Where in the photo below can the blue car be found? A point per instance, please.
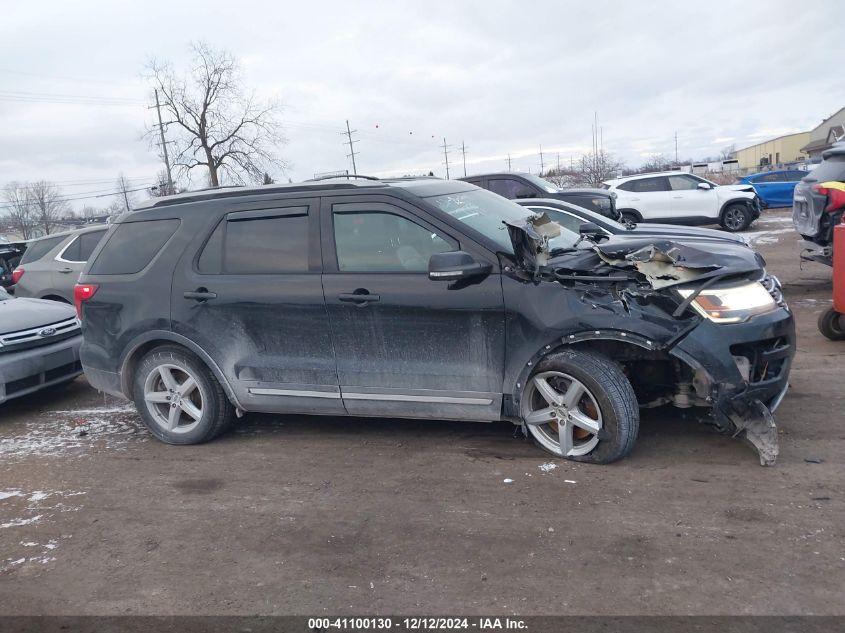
(774, 187)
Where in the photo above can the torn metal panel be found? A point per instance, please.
(530, 240)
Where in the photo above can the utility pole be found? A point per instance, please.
(352, 151)
(676, 149)
(541, 159)
(446, 156)
(170, 190)
(464, 155)
(558, 163)
(509, 162)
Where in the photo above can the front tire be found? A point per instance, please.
(832, 324)
(179, 399)
(580, 406)
(736, 217)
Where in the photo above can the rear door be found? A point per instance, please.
(407, 346)
(512, 188)
(251, 297)
(70, 261)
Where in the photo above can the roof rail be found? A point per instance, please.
(340, 177)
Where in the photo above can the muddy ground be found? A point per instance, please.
(295, 515)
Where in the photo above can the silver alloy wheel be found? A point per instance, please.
(173, 398)
(561, 414)
(734, 218)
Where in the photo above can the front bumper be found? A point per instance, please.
(743, 393)
(33, 369)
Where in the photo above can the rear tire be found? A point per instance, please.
(179, 398)
(596, 417)
(736, 217)
(832, 324)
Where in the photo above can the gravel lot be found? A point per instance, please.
(296, 515)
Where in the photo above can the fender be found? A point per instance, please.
(163, 335)
(748, 202)
(585, 335)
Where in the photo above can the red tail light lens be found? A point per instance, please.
(835, 197)
(81, 293)
(17, 273)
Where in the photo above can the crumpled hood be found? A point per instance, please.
(731, 190)
(24, 313)
(671, 262)
(662, 262)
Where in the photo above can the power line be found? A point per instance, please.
(63, 199)
(352, 151)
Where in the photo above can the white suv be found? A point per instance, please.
(680, 198)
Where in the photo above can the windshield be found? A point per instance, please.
(542, 183)
(486, 212)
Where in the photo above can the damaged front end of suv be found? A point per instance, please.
(695, 324)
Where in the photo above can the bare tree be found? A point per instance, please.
(655, 162)
(596, 167)
(47, 203)
(162, 188)
(124, 194)
(19, 210)
(219, 125)
(727, 152)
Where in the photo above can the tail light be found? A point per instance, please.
(81, 293)
(17, 273)
(835, 192)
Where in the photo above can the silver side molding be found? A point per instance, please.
(256, 391)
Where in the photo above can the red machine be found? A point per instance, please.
(832, 320)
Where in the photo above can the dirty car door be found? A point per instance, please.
(252, 299)
(407, 346)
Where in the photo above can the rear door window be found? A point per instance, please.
(262, 242)
(646, 185)
(132, 247)
(80, 249)
(831, 169)
(37, 250)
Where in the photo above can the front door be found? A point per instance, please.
(407, 346)
(688, 201)
(252, 299)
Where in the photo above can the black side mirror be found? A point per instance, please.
(590, 229)
(454, 266)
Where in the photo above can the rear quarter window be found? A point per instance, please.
(132, 247)
(831, 169)
(37, 250)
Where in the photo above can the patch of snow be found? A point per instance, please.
(38, 495)
(20, 522)
(765, 237)
(508, 481)
(77, 431)
(569, 481)
(548, 467)
(7, 494)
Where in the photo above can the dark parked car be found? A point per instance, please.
(425, 298)
(518, 186)
(39, 345)
(573, 217)
(817, 208)
(775, 188)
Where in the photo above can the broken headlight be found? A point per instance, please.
(731, 304)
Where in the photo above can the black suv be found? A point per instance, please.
(518, 186)
(424, 298)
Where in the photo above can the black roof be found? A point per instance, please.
(422, 187)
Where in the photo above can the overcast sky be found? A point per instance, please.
(503, 77)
